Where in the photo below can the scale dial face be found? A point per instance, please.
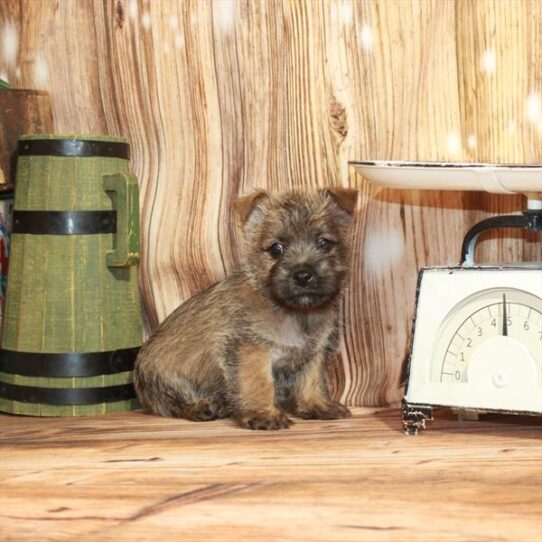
(493, 323)
(477, 340)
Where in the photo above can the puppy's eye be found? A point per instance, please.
(276, 250)
(325, 244)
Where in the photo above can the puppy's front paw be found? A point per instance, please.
(331, 410)
(264, 420)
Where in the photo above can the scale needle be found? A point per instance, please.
(504, 319)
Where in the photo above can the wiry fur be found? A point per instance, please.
(256, 345)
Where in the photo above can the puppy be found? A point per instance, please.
(256, 345)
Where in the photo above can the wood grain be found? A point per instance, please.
(138, 477)
(218, 98)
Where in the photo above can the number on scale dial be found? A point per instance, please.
(496, 322)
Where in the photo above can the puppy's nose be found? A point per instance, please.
(302, 277)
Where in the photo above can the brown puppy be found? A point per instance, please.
(256, 345)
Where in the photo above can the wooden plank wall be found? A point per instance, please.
(218, 97)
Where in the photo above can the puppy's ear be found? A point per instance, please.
(345, 198)
(245, 205)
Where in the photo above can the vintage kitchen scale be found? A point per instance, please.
(477, 332)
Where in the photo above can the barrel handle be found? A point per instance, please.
(126, 201)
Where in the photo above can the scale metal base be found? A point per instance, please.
(415, 416)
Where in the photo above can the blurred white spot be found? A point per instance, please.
(382, 249)
(366, 37)
(18, 72)
(347, 12)
(471, 141)
(10, 43)
(132, 10)
(533, 107)
(453, 144)
(489, 61)
(512, 127)
(224, 15)
(179, 41)
(173, 21)
(4, 76)
(41, 71)
(146, 20)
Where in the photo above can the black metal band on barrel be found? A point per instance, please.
(64, 222)
(66, 396)
(67, 365)
(73, 147)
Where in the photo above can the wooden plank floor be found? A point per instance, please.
(138, 477)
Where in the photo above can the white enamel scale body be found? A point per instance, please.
(477, 341)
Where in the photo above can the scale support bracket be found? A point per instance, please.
(530, 220)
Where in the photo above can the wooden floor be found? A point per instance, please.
(138, 477)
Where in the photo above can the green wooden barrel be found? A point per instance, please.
(72, 322)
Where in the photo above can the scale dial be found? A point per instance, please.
(477, 341)
(492, 338)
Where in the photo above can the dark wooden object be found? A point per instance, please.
(21, 112)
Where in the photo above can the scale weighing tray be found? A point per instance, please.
(495, 178)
